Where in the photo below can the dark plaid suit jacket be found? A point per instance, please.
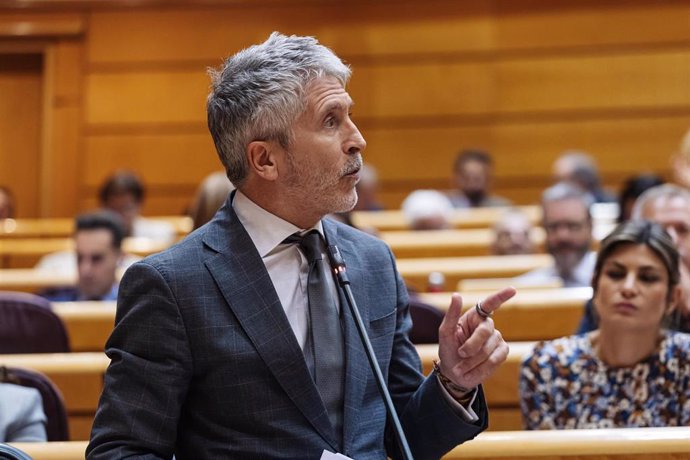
(204, 364)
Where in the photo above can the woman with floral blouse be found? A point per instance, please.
(632, 371)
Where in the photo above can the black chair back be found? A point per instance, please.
(426, 320)
(29, 325)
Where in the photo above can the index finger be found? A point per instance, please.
(494, 301)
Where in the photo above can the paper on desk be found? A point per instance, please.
(331, 456)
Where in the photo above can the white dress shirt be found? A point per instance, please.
(282, 261)
(267, 231)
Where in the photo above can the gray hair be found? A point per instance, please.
(259, 92)
(666, 191)
(566, 191)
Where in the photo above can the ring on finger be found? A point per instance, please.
(481, 312)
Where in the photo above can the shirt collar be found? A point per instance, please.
(265, 229)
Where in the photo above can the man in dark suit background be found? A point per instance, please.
(209, 355)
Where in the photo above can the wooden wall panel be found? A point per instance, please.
(615, 81)
(147, 97)
(557, 24)
(353, 29)
(164, 159)
(61, 153)
(517, 87)
(20, 129)
(524, 79)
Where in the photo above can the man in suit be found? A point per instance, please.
(98, 253)
(213, 354)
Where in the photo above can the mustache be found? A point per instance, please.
(353, 166)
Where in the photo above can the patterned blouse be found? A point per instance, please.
(563, 384)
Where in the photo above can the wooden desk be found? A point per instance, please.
(447, 243)
(25, 252)
(556, 311)
(79, 376)
(672, 443)
(416, 271)
(30, 280)
(461, 218)
(533, 314)
(602, 214)
(53, 227)
(88, 324)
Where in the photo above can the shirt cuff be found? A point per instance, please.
(465, 411)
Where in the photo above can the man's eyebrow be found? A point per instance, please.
(338, 105)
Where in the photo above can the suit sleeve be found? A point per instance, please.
(432, 425)
(149, 373)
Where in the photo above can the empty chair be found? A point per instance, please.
(28, 325)
(57, 428)
(426, 320)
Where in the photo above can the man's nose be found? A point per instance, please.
(355, 142)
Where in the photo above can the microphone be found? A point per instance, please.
(338, 265)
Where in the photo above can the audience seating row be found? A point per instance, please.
(414, 271)
(391, 220)
(530, 315)
(79, 376)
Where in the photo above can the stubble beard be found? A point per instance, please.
(307, 188)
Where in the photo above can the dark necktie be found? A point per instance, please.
(324, 348)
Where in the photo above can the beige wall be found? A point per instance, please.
(524, 79)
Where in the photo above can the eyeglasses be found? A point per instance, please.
(571, 226)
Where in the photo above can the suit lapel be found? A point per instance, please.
(246, 286)
(356, 363)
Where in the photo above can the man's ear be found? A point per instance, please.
(261, 156)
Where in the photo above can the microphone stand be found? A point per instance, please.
(338, 266)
